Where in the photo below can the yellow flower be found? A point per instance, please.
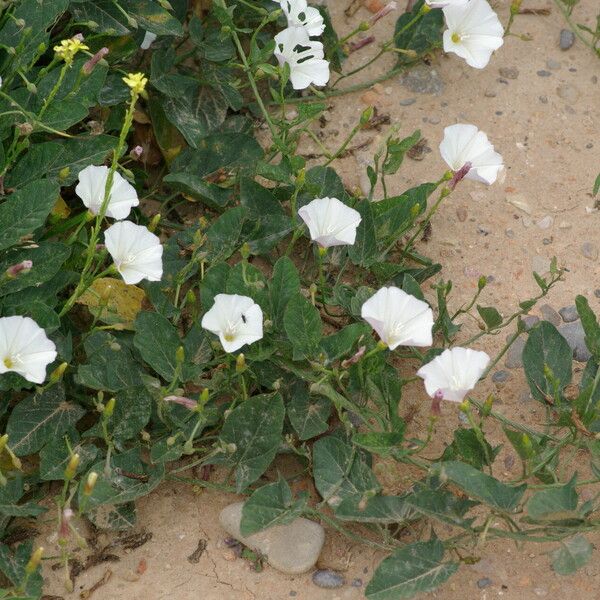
(136, 81)
(67, 49)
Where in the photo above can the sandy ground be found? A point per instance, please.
(547, 128)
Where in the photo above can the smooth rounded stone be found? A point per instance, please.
(545, 222)
(501, 377)
(589, 250)
(509, 72)
(547, 241)
(519, 201)
(543, 73)
(567, 39)
(461, 213)
(597, 292)
(567, 92)
(358, 582)
(550, 315)
(553, 64)
(291, 549)
(509, 233)
(326, 578)
(435, 120)
(484, 582)
(530, 320)
(423, 80)
(575, 336)
(514, 356)
(543, 99)
(407, 101)
(569, 313)
(489, 94)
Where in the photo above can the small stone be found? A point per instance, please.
(293, 594)
(423, 80)
(509, 233)
(565, 225)
(509, 462)
(501, 377)
(509, 72)
(553, 64)
(597, 292)
(569, 313)
(228, 555)
(545, 222)
(327, 578)
(525, 397)
(543, 73)
(568, 93)
(540, 591)
(547, 241)
(567, 39)
(514, 358)
(484, 582)
(461, 213)
(575, 336)
(292, 548)
(529, 321)
(519, 201)
(489, 94)
(543, 99)
(589, 250)
(407, 101)
(550, 315)
(463, 418)
(370, 98)
(527, 222)
(357, 582)
(434, 120)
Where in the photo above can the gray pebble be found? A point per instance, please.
(569, 313)
(463, 418)
(550, 315)
(327, 578)
(484, 582)
(530, 320)
(407, 101)
(589, 250)
(543, 99)
(514, 358)
(568, 92)
(575, 336)
(567, 39)
(509, 233)
(434, 120)
(597, 292)
(553, 64)
(543, 73)
(293, 594)
(489, 94)
(547, 241)
(501, 376)
(357, 582)
(509, 72)
(525, 397)
(423, 80)
(545, 222)
(594, 79)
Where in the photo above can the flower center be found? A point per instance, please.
(8, 362)
(456, 37)
(229, 336)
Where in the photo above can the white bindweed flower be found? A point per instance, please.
(237, 320)
(330, 222)
(474, 32)
(464, 144)
(444, 3)
(305, 57)
(299, 14)
(25, 348)
(136, 252)
(91, 186)
(148, 40)
(454, 373)
(399, 318)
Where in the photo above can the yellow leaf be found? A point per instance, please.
(60, 210)
(113, 302)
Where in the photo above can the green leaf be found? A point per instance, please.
(342, 343)
(483, 487)
(40, 418)
(157, 341)
(491, 317)
(321, 182)
(107, 17)
(55, 456)
(25, 211)
(113, 517)
(194, 186)
(254, 430)
(590, 326)
(441, 505)
(396, 151)
(467, 446)
(284, 285)
(248, 281)
(421, 38)
(596, 185)
(13, 564)
(414, 569)
(308, 414)
(554, 504)
(152, 17)
(386, 510)
(364, 251)
(341, 471)
(270, 505)
(62, 114)
(303, 326)
(546, 348)
(379, 442)
(223, 234)
(573, 554)
(131, 415)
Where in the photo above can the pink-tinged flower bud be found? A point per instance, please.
(136, 152)
(64, 530)
(354, 359)
(78, 36)
(459, 175)
(88, 67)
(100, 247)
(435, 403)
(187, 402)
(386, 10)
(21, 267)
(358, 44)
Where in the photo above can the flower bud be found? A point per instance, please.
(154, 222)
(22, 267)
(136, 152)
(465, 406)
(487, 406)
(71, 469)
(245, 250)
(482, 282)
(34, 561)
(31, 87)
(64, 531)
(180, 355)
(58, 373)
(203, 398)
(366, 115)
(171, 440)
(182, 401)
(88, 67)
(64, 173)
(25, 129)
(364, 26)
(240, 363)
(109, 409)
(190, 297)
(90, 483)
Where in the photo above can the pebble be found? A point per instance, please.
(575, 336)
(597, 292)
(489, 94)
(514, 359)
(509, 72)
(407, 101)
(435, 120)
(550, 315)
(519, 201)
(553, 64)
(509, 233)
(547, 241)
(461, 213)
(327, 578)
(568, 92)
(545, 222)
(540, 591)
(291, 549)
(501, 376)
(357, 582)
(543, 99)
(567, 39)
(565, 225)
(423, 80)
(569, 313)
(293, 594)
(543, 73)
(484, 582)
(589, 250)
(529, 321)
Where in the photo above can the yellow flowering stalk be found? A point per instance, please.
(136, 82)
(67, 49)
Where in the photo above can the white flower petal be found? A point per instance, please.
(399, 318)
(330, 222)
(299, 14)
(454, 373)
(148, 40)
(443, 3)
(136, 252)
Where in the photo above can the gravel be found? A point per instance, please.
(543, 73)
(575, 336)
(569, 313)
(514, 356)
(326, 578)
(550, 315)
(484, 582)
(567, 39)
(589, 250)
(501, 376)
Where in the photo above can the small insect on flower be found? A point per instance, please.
(299, 14)
(24, 348)
(237, 320)
(136, 82)
(67, 49)
(330, 222)
(91, 188)
(454, 373)
(464, 144)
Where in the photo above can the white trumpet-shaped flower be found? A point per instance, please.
(464, 144)
(148, 40)
(299, 14)
(237, 320)
(444, 3)
(136, 252)
(330, 222)
(474, 32)
(25, 348)
(304, 56)
(399, 318)
(91, 186)
(454, 373)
